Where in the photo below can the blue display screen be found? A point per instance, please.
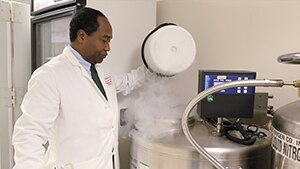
(213, 80)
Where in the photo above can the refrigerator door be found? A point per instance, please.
(50, 34)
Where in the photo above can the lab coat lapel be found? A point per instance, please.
(84, 73)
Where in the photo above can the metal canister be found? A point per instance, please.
(286, 137)
(174, 151)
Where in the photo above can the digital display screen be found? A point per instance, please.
(237, 102)
(214, 80)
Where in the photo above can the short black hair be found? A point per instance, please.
(85, 19)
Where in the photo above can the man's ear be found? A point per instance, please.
(81, 35)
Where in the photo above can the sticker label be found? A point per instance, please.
(286, 145)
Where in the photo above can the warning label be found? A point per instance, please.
(286, 145)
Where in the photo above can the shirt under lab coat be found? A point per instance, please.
(64, 106)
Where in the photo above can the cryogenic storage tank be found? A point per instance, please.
(286, 127)
(286, 137)
(173, 151)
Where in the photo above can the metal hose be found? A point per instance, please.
(203, 94)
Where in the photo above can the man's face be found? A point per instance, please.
(97, 44)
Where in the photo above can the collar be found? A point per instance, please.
(85, 64)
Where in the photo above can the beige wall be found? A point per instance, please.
(238, 34)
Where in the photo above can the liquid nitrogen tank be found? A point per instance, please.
(286, 137)
(173, 151)
(286, 127)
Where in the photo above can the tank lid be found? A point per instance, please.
(168, 50)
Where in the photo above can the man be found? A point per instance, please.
(72, 106)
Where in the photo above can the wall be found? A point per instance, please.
(244, 34)
(131, 21)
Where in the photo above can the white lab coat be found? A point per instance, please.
(64, 106)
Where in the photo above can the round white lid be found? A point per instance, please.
(169, 50)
